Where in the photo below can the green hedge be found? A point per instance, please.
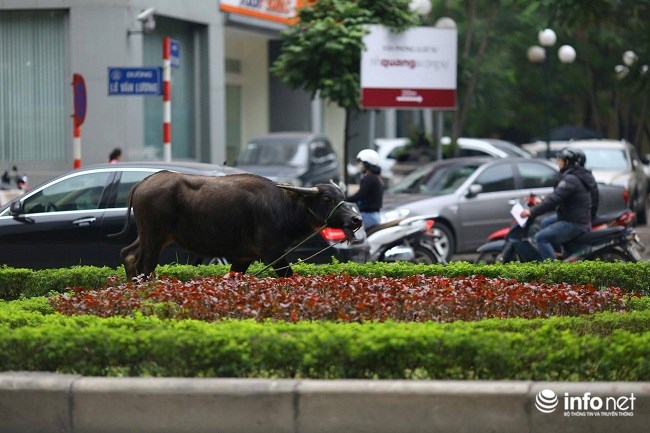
(605, 346)
(632, 277)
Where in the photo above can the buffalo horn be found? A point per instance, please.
(300, 190)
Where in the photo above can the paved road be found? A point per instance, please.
(642, 231)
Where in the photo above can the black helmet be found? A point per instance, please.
(572, 156)
(582, 158)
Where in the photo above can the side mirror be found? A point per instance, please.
(474, 190)
(16, 208)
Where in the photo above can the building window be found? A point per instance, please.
(33, 86)
(233, 66)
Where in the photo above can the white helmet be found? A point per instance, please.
(368, 156)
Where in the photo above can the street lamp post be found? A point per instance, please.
(637, 73)
(537, 54)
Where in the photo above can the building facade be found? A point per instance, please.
(221, 92)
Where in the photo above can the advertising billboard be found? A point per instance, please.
(281, 11)
(412, 69)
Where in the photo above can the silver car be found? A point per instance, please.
(617, 162)
(472, 196)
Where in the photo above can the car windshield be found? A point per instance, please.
(437, 181)
(605, 159)
(287, 152)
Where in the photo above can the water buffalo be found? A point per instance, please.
(242, 217)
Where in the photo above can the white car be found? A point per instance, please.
(476, 147)
(387, 148)
(487, 147)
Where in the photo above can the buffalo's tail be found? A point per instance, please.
(127, 222)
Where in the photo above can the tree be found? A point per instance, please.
(499, 90)
(606, 29)
(321, 53)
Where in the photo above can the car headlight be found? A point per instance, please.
(394, 214)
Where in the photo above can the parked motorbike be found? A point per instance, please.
(413, 239)
(611, 238)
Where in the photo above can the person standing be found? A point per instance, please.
(115, 156)
(576, 199)
(370, 195)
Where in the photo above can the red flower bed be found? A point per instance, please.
(343, 298)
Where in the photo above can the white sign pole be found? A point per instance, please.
(167, 100)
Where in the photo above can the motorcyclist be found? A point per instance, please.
(576, 199)
(370, 195)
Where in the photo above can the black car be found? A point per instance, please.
(66, 221)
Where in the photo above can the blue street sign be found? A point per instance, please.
(174, 53)
(134, 81)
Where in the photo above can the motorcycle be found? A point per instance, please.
(497, 243)
(413, 239)
(611, 238)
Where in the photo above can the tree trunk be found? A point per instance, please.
(460, 117)
(642, 120)
(595, 115)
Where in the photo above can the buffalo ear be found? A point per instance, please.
(307, 192)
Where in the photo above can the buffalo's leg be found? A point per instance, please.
(240, 265)
(149, 256)
(148, 262)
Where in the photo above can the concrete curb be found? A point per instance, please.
(47, 402)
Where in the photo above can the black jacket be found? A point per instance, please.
(575, 197)
(370, 195)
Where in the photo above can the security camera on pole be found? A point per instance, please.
(146, 81)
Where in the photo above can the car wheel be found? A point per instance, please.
(642, 213)
(446, 242)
